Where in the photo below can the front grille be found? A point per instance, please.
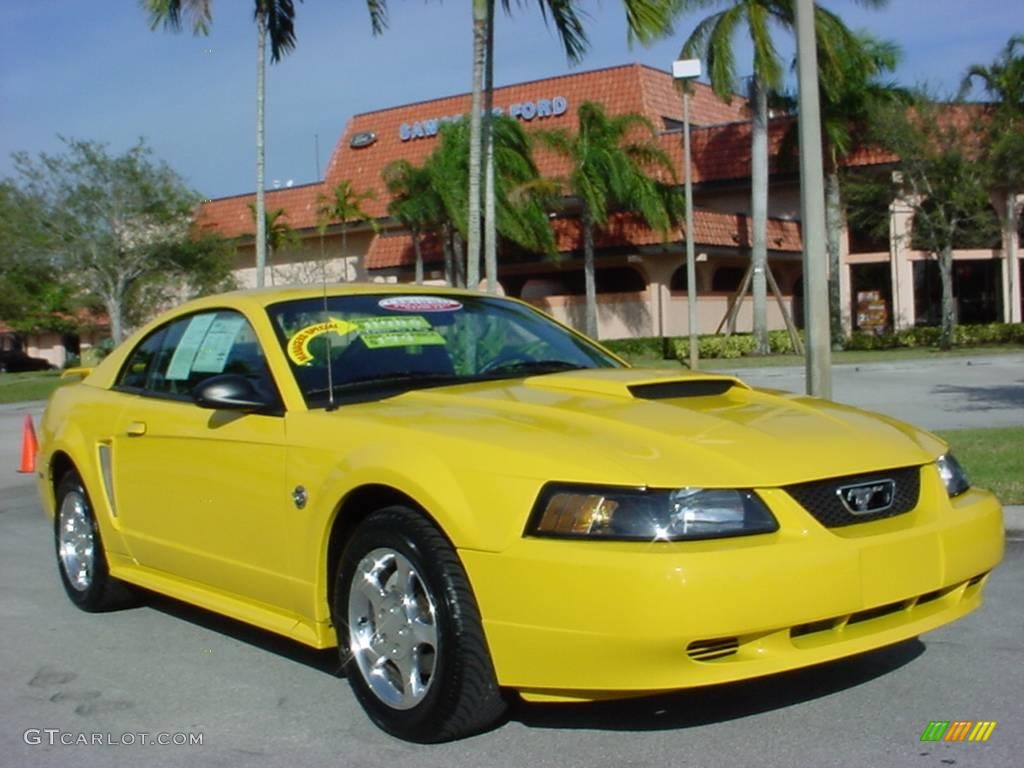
(821, 498)
(875, 613)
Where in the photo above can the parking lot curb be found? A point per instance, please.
(1013, 518)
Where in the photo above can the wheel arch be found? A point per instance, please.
(60, 464)
(356, 505)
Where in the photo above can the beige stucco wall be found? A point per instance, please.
(309, 261)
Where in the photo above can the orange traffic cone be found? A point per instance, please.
(29, 446)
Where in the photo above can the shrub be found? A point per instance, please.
(923, 336)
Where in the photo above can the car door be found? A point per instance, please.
(200, 492)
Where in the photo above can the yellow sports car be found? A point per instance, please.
(472, 501)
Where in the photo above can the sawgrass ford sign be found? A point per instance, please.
(526, 110)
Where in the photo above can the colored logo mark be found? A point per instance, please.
(958, 730)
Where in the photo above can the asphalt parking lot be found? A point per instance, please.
(255, 699)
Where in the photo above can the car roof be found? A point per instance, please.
(263, 297)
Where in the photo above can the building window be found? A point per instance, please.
(871, 297)
(727, 279)
(869, 240)
(678, 281)
(980, 229)
(977, 291)
(608, 280)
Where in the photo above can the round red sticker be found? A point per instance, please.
(419, 304)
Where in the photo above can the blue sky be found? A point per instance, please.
(67, 69)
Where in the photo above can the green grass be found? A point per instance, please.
(993, 458)
(838, 358)
(22, 387)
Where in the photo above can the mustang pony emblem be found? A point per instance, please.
(867, 498)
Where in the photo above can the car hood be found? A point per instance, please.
(658, 428)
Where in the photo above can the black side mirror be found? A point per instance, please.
(229, 391)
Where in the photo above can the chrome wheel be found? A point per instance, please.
(76, 541)
(392, 631)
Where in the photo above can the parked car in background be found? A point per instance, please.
(16, 361)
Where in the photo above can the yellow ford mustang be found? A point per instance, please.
(469, 499)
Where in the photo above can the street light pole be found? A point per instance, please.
(812, 205)
(687, 70)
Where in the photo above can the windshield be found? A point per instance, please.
(382, 345)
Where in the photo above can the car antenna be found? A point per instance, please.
(330, 373)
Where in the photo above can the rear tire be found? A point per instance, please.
(409, 631)
(80, 556)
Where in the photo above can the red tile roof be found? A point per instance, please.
(391, 249)
(628, 88)
(721, 140)
(231, 216)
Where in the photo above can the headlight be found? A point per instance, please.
(952, 475)
(640, 514)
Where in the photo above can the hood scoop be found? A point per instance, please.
(668, 390)
(636, 385)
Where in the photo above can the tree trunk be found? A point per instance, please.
(419, 255)
(458, 260)
(948, 314)
(590, 283)
(344, 253)
(759, 213)
(114, 310)
(261, 205)
(1006, 205)
(449, 256)
(834, 226)
(475, 135)
(490, 214)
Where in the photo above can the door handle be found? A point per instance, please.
(136, 429)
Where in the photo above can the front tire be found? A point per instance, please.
(80, 557)
(409, 631)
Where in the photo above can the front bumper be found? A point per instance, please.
(582, 620)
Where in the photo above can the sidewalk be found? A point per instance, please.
(1013, 519)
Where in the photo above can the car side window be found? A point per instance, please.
(194, 348)
(136, 370)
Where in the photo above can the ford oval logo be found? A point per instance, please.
(867, 498)
(363, 139)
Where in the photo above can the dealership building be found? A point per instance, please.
(641, 277)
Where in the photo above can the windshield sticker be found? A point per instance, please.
(419, 304)
(407, 339)
(191, 341)
(213, 354)
(298, 345)
(376, 333)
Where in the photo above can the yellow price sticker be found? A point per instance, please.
(298, 345)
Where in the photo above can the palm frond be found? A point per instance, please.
(171, 13)
(378, 15)
(567, 18)
(767, 65)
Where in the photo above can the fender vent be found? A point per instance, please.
(668, 390)
(709, 650)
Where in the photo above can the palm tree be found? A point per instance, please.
(278, 234)
(851, 92)
(414, 202)
(343, 206)
(275, 20)
(1003, 81)
(646, 20)
(607, 172)
(521, 196)
(712, 41)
